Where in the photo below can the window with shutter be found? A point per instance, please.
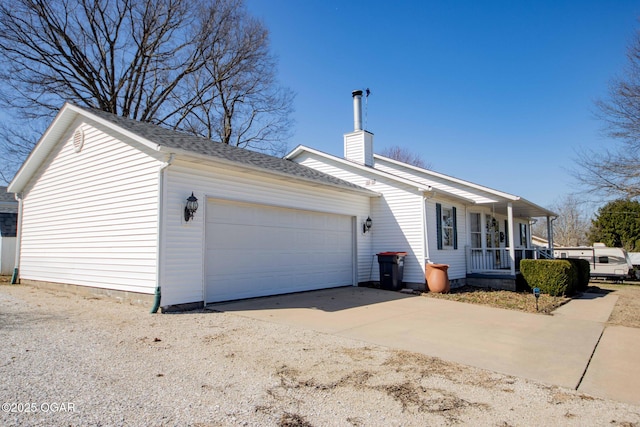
(447, 227)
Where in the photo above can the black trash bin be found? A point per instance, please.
(391, 269)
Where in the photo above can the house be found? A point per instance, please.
(8, 227)
(540, 242)
(481, 233)
(116, 206)
(102, 208)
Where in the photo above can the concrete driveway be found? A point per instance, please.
(555, 350)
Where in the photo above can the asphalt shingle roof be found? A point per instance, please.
(205, 147)
(6, 197)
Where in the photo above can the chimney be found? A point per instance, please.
(358, 145)
(357, 110)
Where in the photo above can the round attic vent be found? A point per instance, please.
(78, 140)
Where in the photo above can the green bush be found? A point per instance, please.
(554, 277)
(583, 272)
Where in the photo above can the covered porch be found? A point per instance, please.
(500, 261)
(500, 237)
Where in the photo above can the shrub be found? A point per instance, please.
(583, 272)
(554, 277)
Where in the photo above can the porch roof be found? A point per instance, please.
(479, 195)
(428, 181)
(522, 208)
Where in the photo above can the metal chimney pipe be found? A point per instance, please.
(357, 110)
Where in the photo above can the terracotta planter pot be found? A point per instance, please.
(437, 278)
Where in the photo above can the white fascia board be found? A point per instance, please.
(372, 170)
(293, 153)
(200, 158)
(132, 135)
(60, 124)
(450, 178)
(535, 206)
(42, 148)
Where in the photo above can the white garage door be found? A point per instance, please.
(256, 250)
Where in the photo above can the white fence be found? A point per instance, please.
(498, 260)
(7, 255)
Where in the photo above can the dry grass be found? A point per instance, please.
(521, 301)
(625, 313)
(627, 309)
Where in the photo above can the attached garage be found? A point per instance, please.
(255, 250)
(102, 201)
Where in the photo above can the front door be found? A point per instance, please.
(493, 240)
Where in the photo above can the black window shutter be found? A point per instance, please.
(506, 232)
(439, 224)
(455, 228)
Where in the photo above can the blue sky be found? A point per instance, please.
(495, 92)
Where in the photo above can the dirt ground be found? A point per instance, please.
(116, 364)
(627, 309)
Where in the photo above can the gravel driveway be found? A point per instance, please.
(69, 360)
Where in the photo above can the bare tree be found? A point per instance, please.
(571, 227)
(236, 96)
(403, 154)
(616, 171)
(195, 65)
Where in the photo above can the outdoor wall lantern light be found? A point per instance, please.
(367, 225)
(191, 207)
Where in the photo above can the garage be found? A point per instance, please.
(256, 250)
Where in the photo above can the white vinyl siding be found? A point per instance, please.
(90, 217)
(397, 218)
(456, 259)
(358, 147)
(183, 268)
(427, 178)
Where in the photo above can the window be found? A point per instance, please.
(447, 227)
(523, 235)
(476, 231)
(603, 259)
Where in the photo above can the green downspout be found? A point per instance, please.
(157, 294)
(14, 277)
(156, 301)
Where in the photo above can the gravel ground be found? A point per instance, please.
(69, 360)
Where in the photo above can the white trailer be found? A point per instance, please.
(608, 263)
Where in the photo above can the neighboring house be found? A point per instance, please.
(480, 232)
(8, 226)
(103, 198)
(540, 242)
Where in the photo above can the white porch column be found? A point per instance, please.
(512, 246)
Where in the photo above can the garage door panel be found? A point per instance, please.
(255, 250)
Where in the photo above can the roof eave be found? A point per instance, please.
(186, 155)
(39, 152)
(67, 115)
(450, 178)
(417, 185)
